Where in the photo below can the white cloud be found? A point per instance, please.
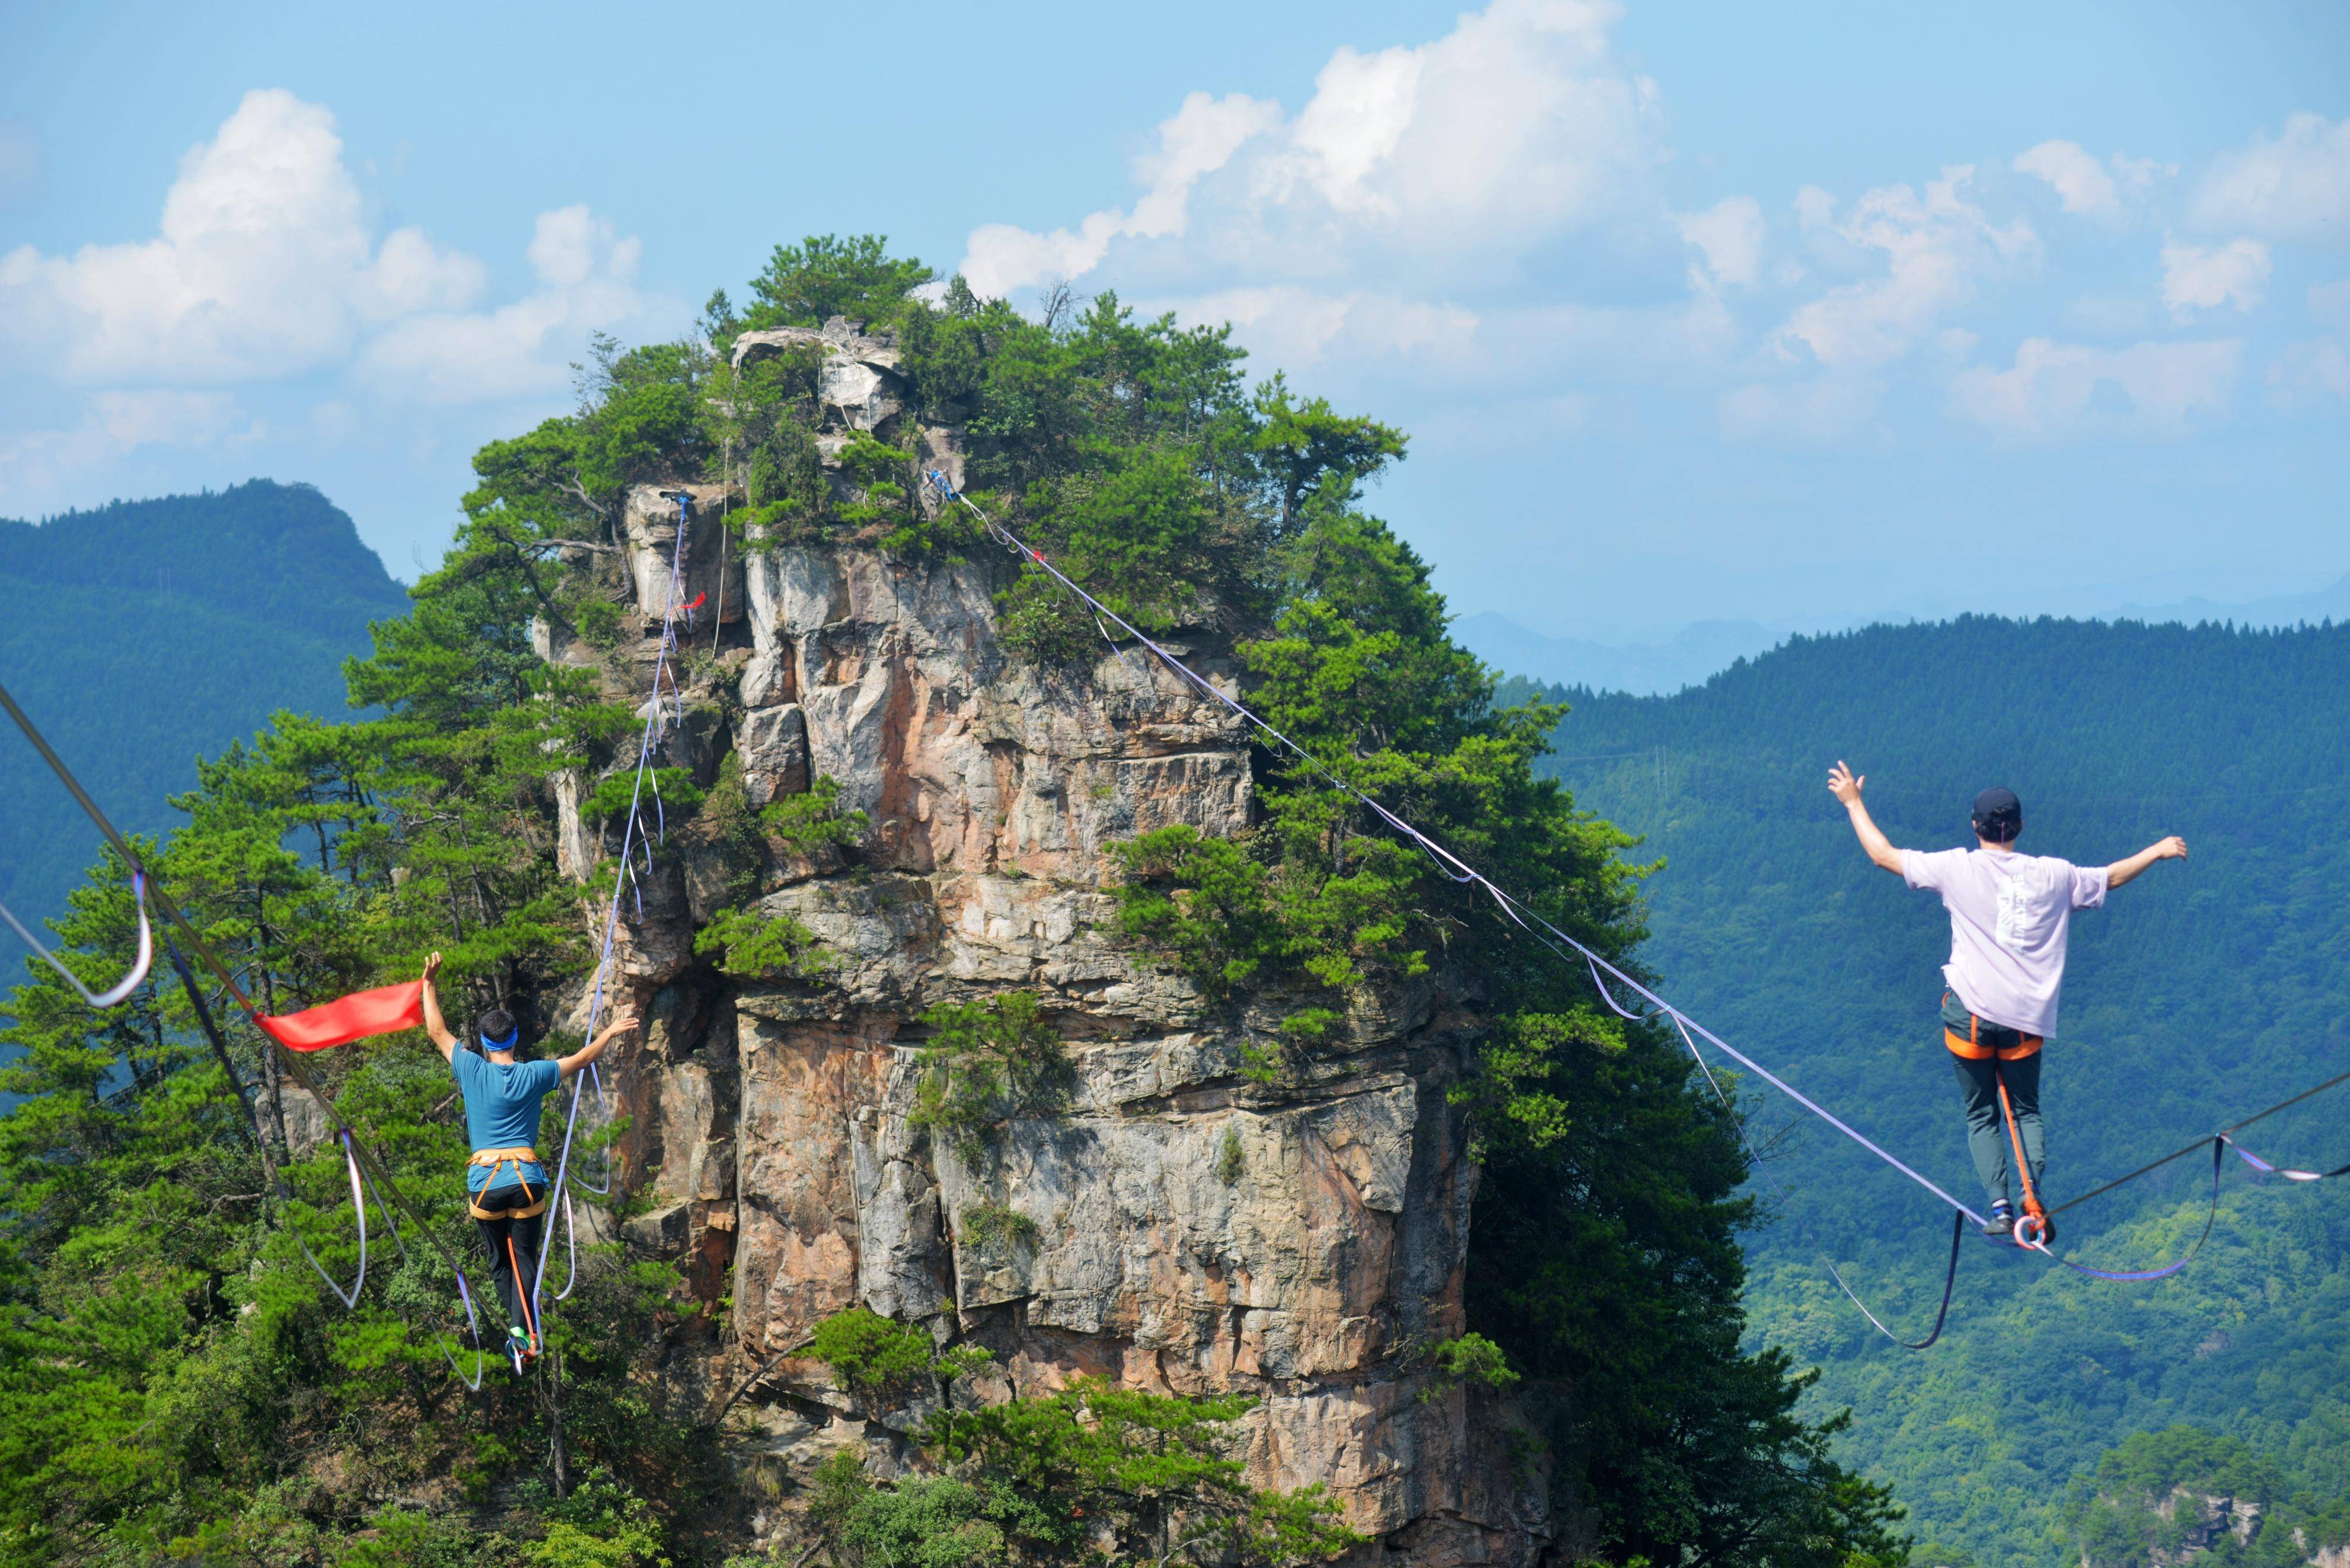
(261, 250)
(2292, 186)
(267, 266)
(586, 278)
(2310, 372)
(1445, 161)
(2205, 277)
(2065, 388)
(1199, 139)
(2080, 181)
(2085, 186)
(113, 425)
(1729, 235)
(1938, 249)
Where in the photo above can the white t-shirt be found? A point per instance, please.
(2010, 915)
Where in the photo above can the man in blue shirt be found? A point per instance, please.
(506, 1185)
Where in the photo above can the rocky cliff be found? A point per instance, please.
(1184, 1228)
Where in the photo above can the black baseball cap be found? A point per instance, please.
(1999, 815)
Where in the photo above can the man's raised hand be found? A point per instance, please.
(2171, 848)
(433, 967)
(1844, 784)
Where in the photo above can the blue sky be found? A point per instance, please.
(1789, 313)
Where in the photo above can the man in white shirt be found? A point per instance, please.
(2010, 916)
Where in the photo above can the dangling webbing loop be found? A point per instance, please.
(120, 993)
(350, 1298)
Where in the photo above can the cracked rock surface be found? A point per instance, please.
(1187, 1229)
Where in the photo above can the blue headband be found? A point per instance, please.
(505, 1044)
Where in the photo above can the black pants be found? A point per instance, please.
(513, 1249)
(1987, 1135)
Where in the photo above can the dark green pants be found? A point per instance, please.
(1979, 1081)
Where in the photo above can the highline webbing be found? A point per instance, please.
(1531, 920)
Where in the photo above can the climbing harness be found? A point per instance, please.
(1549, 935)
(368, 1172)
(497, 1159)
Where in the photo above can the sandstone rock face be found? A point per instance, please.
(711, 569)
(1186, 1229)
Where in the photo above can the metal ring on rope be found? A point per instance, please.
(350, 1298)
(119, 992)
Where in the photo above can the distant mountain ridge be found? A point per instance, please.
(143, 634)
(1704, 648)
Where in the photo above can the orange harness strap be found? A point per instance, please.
(497, 1159)
(1972, 1049)
(2032, 1212)
(521, 1294)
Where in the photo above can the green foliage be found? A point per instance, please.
(1231, 1160)
(614, 794)
(2185, 1493)
(871, 1353)
(1471, 1361)
(826, 276)
(993, 1225)
(264, 588)
(759, 946)
(167, 1356)
(1146, 1467)
(803, 824)
(989, 1062)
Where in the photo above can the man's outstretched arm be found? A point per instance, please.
(571, 1065)
(435, 1025)
(2171, 848)
(1845, 786)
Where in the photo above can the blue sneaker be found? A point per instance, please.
(2001, 1223)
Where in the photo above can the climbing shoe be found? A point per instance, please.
(2001, 1223)
(519, 1346)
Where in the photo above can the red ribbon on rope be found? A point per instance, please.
(384, 1011)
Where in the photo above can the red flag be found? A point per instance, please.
(354, 1017)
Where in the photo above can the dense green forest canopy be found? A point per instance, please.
(173, 1383)
(2207, 990)
(143, 633)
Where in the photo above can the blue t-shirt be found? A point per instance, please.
(502, 1110)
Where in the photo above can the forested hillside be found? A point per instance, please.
(2205, 991)
(145, 633)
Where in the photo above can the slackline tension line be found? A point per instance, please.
(1535, 925)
